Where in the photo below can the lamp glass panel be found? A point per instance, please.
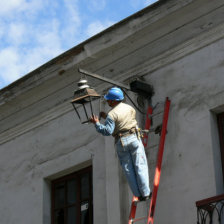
(87, 110)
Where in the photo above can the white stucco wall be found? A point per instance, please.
(190, 170)
(33, 159)
(177, 47)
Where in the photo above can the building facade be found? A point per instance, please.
(53, 169)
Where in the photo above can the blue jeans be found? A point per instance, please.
(131, 154)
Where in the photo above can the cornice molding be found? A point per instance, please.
(143, 69)
(178, 52)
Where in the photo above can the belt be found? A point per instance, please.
(124, 133)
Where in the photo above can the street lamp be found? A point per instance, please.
(82, 101)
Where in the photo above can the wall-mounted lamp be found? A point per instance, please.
(84, 96)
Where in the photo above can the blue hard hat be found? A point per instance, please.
(114, 93)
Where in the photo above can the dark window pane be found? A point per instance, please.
(59, 195)
(85, 213)
(221, 138)
(85, 186)
(72, 199)
(72, 192)
(72, 215)
(59, 217)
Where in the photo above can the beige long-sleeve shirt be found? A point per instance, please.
(124, 117)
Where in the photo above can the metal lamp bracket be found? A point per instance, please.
(143, 89)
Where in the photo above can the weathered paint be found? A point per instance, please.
(176, 46)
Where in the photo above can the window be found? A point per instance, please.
(220, 118)
(72, 198)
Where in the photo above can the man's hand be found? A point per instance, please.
(94, 119)
(103, 115)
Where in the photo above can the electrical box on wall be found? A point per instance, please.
(144, 89)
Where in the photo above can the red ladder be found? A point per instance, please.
(150, 218)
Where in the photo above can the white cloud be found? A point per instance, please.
(29, 43)
(16, 33)
(135, 3)
(10, 5)
(96, 5)
(33, 32)
(50, 43)
(9, 8)
(72, 7)
(10, 71)
(97, 26)
(15, 63)
(42, 44)
(31, 8)
(70, 23)
(2, 29)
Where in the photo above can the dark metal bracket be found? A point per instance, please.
(143, 89)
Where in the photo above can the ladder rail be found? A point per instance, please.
(159, 163)
(150, 218)
(133, 209)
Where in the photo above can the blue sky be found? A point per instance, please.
(33, 32)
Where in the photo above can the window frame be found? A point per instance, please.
(73, 176)
(220, 121)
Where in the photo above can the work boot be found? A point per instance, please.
(145, 198)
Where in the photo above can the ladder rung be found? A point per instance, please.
(138, 219)
(138, 201)
(153, 146)
(157, 128)
(159, 103)
(153, 115)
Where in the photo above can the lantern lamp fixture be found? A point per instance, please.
(84, 96)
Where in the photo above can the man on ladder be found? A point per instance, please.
(121, 124)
